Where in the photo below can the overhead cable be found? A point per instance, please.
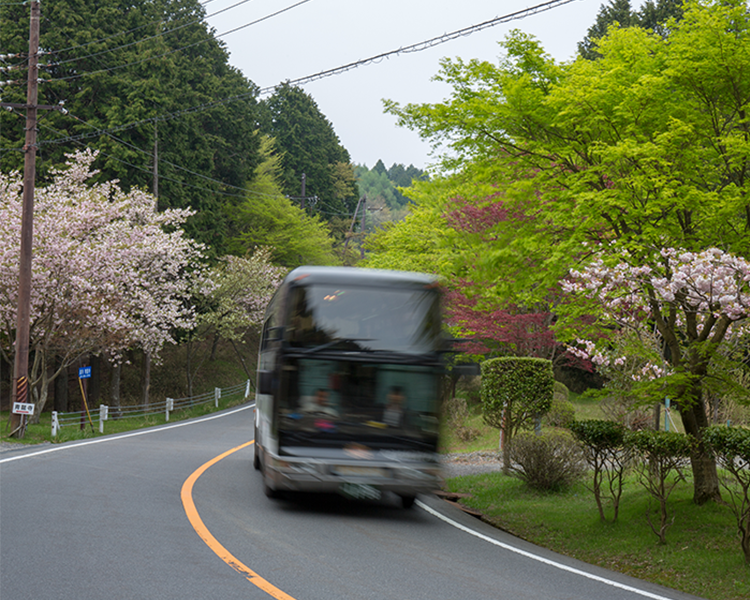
(418, 47)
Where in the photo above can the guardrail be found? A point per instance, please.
(61, 419)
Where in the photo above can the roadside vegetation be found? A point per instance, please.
(701, 556)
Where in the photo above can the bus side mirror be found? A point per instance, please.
(265, 382)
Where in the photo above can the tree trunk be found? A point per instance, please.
(702, 461)
(214, 346)
(145, 378)
(61, 388)
(115, 390)
(189, 367)
(242, 360)
(95, 381)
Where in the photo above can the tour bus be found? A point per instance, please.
(349, 384)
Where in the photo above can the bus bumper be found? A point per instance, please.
(352, 479)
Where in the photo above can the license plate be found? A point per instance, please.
(346, 471)
(358, 491)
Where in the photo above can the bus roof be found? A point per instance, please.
(350, 275)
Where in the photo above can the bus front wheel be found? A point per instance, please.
(407, 501)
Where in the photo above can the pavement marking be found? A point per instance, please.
(114, 438)
(200, 528)
(538, 558)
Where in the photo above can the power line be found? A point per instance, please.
(121, 33)
(163, 54)
(129, 44)
(436, 41)
(418, 47)
(244, 191)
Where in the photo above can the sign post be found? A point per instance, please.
(84, 374)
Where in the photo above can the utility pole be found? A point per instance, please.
(20, 390)
(364, 223)
(351, 227)
(304, 179)
(155, 186)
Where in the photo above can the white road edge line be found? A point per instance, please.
(423, 506)
(125, 435)
(536, 557)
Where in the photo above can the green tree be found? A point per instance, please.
(309, 146)
(643, 149)
(268, 218)
(617, 12)
(128, 72)
(652, 15)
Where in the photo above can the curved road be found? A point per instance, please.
(178, 512)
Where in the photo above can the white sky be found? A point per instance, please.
(325, 34)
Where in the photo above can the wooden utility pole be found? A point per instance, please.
(351, 227)
(20, 390)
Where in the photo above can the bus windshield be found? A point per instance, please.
(364, 319)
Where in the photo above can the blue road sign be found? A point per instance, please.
(84, 373)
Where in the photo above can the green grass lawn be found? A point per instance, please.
(702, 555)
(42, 431)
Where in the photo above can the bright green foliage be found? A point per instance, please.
(268, 218)
(608, 458)
(550, 461)
(661, 454)
(132, 69)
(644, 149)
(732, 447)
(422, 241)
(515, 391)
(308, 146)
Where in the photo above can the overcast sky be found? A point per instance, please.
(317, 35)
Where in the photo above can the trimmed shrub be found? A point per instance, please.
(661, 454)
(548, 462)
(731, 445)
(608, 459)
(515, 392)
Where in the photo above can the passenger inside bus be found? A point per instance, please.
(394, 413)
(320, 403)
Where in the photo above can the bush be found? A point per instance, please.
(662, 454)
(561, 413)
(547, 462)
(604, 452)
(457, 415)
(732, 448)
(469, 387)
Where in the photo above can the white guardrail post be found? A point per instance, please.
(170, 406)
(103, 416)
(55, 424)
(247, 389)
(217, 395)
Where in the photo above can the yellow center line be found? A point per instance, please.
(200, 528)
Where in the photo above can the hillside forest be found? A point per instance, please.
(157, 144)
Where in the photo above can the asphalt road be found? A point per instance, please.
(179, 512)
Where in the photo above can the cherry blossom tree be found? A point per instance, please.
(235, 307)
(695, 301)
(109, 271)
